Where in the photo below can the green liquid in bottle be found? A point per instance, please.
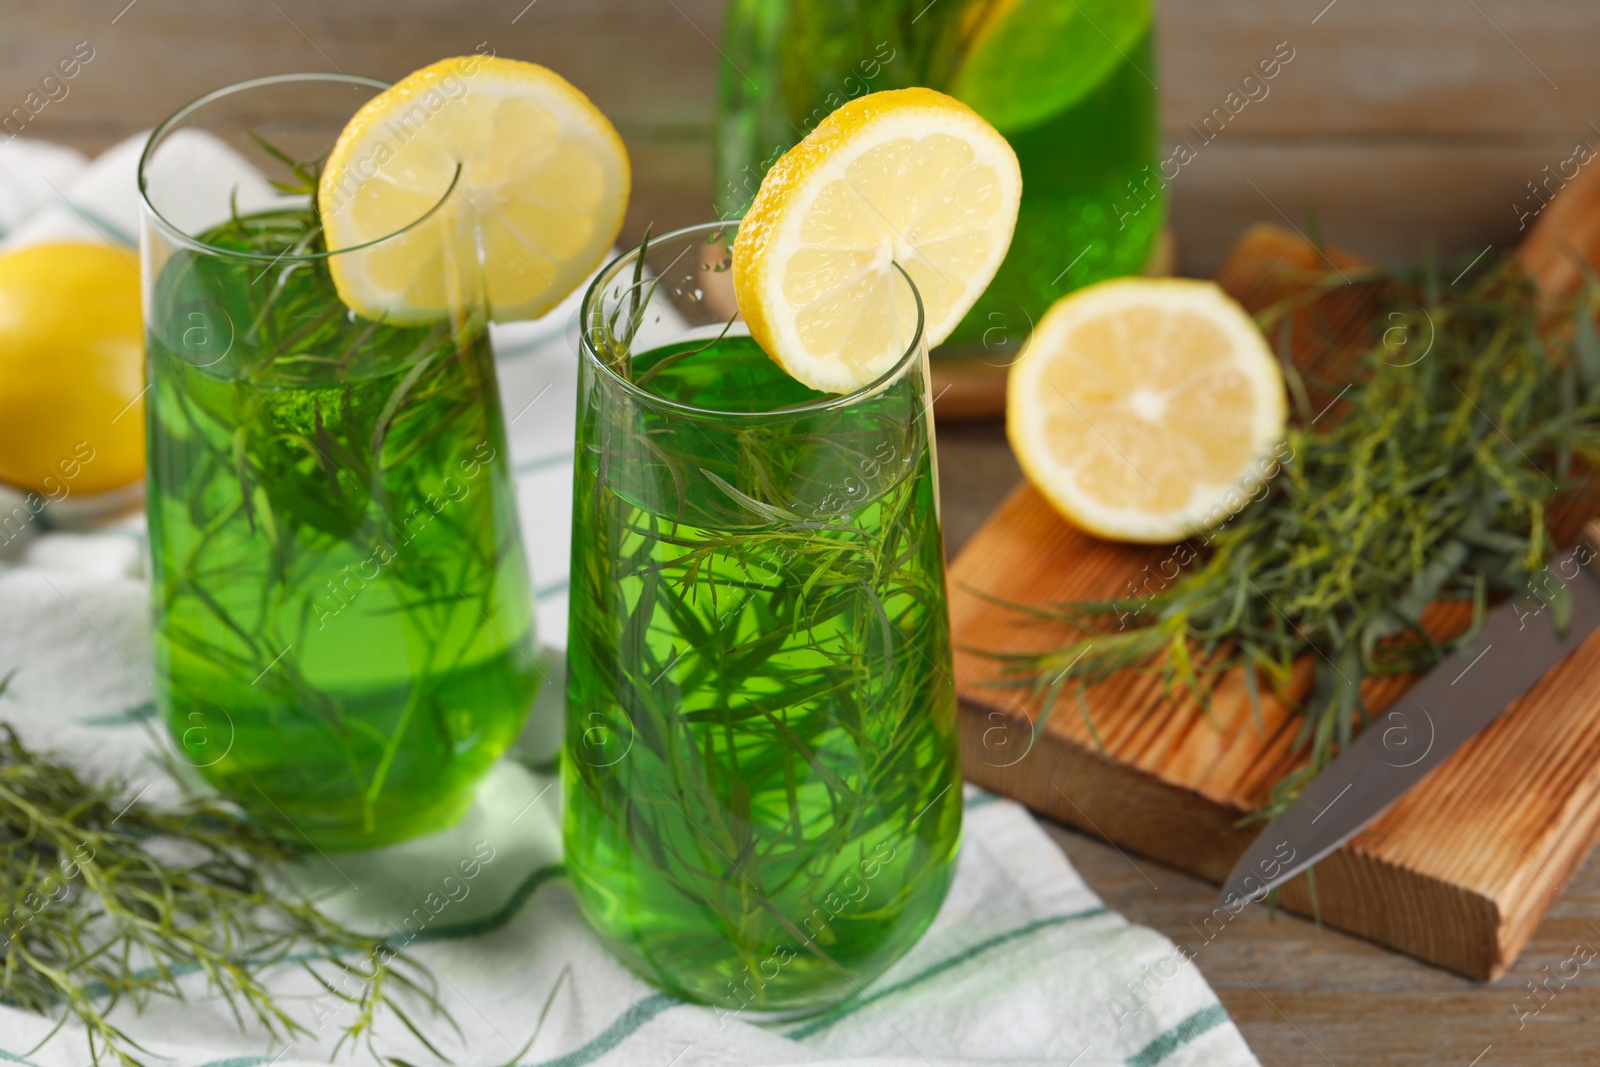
(1093, 202)
(762, 792)
(343, 633)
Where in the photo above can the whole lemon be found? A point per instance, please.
(71, 369)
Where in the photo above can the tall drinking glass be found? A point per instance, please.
(343, 627)
(762, 791)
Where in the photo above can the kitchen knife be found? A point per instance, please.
(1518, 643)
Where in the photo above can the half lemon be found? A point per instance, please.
(1146, 409)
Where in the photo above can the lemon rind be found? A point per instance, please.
(791, 188)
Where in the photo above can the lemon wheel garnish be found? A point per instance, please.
(1146, 409)
(908, 176)
(543, 185)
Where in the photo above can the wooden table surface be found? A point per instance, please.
(1395, 124)
(1309, 997)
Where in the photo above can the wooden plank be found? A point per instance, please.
(1566, 238)
(1308, 996)
(1363, 68)
(1399, 123)
(1375, 68)
(648, 65)
(651, 68)
(1388, 199)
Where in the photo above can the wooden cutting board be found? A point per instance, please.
(1459, 872)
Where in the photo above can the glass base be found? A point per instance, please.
(786, 986)
(440, 815)
(732, 1008)
(776, 1018)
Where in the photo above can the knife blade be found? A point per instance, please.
(1466, 691)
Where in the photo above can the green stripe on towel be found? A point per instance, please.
(495, 919)
(528, 466)
(126, 717)
(612, 1036)
(1177, 1036)
(850, 1006)
(980, 799)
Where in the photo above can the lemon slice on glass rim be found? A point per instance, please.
(540, 176)
(1146, 409)
(907, 177)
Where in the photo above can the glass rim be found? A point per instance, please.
(831, 402)
(182, 236)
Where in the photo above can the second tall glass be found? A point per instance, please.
(762, 792)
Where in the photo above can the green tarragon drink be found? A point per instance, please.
(763, 800)
(343, 616)
(343, 630)
(1071, 85)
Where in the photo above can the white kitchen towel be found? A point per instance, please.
(33, 174)
(1022, 966)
